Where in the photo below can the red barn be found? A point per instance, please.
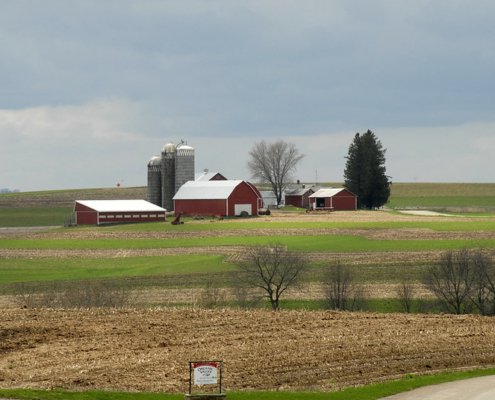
(96, 212)
(298, 197)
(333, 199)
(226, 198)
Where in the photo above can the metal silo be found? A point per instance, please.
(154, 194)
(168, 176)
(184, 165)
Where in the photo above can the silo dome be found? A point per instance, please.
(184, 147)
(185, 150)
(169, 148)
(155, 161)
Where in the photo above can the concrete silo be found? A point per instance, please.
(168, 176)
(184, 165)
(154, 193)
(168, 172)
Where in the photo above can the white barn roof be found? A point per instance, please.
(326, 192)
(120, 205)
(267, 194)
(202, 190)
(298, 192)
(205, 176)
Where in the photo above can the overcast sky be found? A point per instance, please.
(91, 90)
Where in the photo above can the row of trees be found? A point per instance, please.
(365, 172)
(463, 280)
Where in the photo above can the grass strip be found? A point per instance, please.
(172, 268)
(370, 392)
(43, 270)
(29, 394)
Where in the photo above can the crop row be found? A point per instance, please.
(296, 243)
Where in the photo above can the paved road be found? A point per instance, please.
(482, 388)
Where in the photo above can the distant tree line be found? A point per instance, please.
(6, 190)
(463, 281)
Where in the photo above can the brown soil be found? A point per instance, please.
(371, 234)
(235, 253)
(149, 350)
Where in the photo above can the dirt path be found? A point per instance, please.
(24, 229)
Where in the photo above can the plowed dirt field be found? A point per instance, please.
(149, 349)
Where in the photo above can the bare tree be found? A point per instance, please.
(246, 297)
(451, 281)
(274, 163)
(483, 281)
(405, 293)
(211, 296)
(340, 289)
(271, 269)
(337, 283)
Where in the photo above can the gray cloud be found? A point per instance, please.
(101, 86)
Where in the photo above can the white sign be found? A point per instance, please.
(205, 373)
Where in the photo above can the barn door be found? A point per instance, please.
(239, 208)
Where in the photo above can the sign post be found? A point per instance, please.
(205, 373)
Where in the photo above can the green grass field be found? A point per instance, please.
(34, 216)
(443, 190)
(42, 270)
(39, 270)
(296, 243)
(442, 195)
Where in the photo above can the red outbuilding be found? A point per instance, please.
(333, 199)
(298, 197)
(96, 212)
(226, 198)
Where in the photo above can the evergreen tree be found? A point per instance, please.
(365, 172)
